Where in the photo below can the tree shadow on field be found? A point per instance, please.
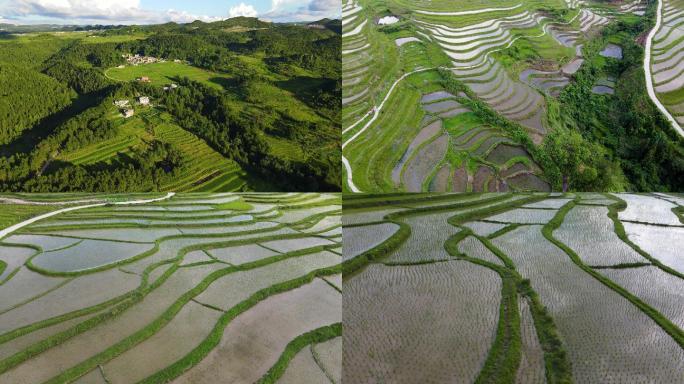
(306, 88)
(117, 161)
(30, 137)
(224, 83)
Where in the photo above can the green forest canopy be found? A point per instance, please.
(277, 82)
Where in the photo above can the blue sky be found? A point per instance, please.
(160, 11)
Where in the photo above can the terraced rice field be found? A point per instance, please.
(406, 130)
(209, 171)
(666, 55)
(185, 288)
(519, 288)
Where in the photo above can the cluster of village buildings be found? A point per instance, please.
(127, 109)
(138, 59)
(124, 105)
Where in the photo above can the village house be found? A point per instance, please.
(144, 100)
(121, 103)
(127, 113)
(143, 79)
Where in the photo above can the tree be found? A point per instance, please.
(572, 157)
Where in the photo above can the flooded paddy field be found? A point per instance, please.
(184, 288)
(519, 288)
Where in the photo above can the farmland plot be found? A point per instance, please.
(589, 232)
(484, 228)
(428, 234)
(648, 209)
(592, 305)
(361, 239)
(600, 328)
(524, 216)
(400, 325)
(659, 243)
(531, 369)
(661, 290)
(667, 50)
(93, 297)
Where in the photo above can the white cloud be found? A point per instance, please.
(279, 4)
(130, 11)
(95, 11)
(305, 11)
(242, 9)
(185, 17)
(331, 7)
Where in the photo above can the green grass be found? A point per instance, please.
(11, 214)
(318, 335)
(131, 133)
(98, 38)
(671, 98)
(165, 73)
(204, 164)
(355, 265)
(237, 205)
(285, 149)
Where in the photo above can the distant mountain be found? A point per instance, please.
(12, 28)
(235, 22)
(334, 25)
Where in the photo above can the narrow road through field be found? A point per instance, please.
(106, 73)
(647, 71)
(376, 113)
(14, 200)
(7, 231)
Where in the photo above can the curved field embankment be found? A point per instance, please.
(662, 62)
(153, 291)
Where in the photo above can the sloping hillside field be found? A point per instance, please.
(193, 288)
(463, 96)
(513, 288)
(667, 53)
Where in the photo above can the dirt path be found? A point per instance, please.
(649, 77)
(7, 231)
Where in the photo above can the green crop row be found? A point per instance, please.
(318, 335)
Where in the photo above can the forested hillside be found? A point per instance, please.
(254, 106)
